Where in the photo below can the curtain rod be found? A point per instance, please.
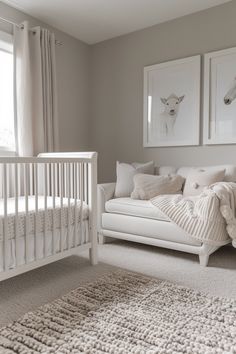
(20, 26)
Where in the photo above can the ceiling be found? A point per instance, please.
(93, 21)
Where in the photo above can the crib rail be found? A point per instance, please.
(49, 197)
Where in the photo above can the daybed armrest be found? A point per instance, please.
(105, 192)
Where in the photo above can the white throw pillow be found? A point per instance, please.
(198, 179)
(124, 176)
(147, 186)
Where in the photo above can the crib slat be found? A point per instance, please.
(92, 204)
(31, 179)
(81, 202)
(16, 213)
(71, 180)
(53, 168)
(68, 182)
(26, 190)
(88, 193)
(49, 190)
(56, 179)
(61, 204)
(45, 207)
(85, 176)
(8, 184)
(36, 246)
(76, 236)
(5, 224)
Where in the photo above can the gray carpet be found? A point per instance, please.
(31, 290)
(126, 313)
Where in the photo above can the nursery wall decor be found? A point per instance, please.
(220, 97)
(172, 103)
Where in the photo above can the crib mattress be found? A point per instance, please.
(44, 218)
(44, 243)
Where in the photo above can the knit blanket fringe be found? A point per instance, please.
(209, 217)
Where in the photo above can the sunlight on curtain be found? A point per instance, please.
(36, 90)
(7, 133)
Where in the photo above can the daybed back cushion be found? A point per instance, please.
(148, 186)
(230, 171)
(199, 178)
(124, 176)
(165, 170)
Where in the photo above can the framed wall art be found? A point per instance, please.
(220, 97)
(172, 103)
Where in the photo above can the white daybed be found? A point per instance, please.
(140, 221)
(42, 218)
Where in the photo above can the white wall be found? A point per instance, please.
(117, 87)
(73, 82)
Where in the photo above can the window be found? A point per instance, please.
(7, 121)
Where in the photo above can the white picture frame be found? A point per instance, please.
(171, 109)
(219, 117)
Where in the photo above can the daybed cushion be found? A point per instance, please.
(139, 208)
(148, 186)
(230, 171)
(124, 176)
(199, 178)
(162, 230)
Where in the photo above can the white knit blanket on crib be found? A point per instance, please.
(209, 217)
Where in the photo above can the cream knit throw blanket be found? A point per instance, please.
(209, 218)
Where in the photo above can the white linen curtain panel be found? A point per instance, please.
(35, 90)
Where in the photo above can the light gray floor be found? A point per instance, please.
(30, 290)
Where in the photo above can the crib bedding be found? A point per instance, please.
(45, 219)
(44, 242)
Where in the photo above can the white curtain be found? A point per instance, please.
(35, 90)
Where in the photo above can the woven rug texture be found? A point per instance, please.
(126, 313)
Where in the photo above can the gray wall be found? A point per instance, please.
(100, 87)
(73, 83)
(117, 87)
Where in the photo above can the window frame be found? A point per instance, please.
(6, 45)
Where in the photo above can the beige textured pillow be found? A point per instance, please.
(124, 176)
(198, 179)
(148, 186)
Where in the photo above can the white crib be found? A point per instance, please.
(47, 210)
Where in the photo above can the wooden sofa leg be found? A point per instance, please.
(204, 258)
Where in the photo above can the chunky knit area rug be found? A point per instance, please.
(126, 313)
